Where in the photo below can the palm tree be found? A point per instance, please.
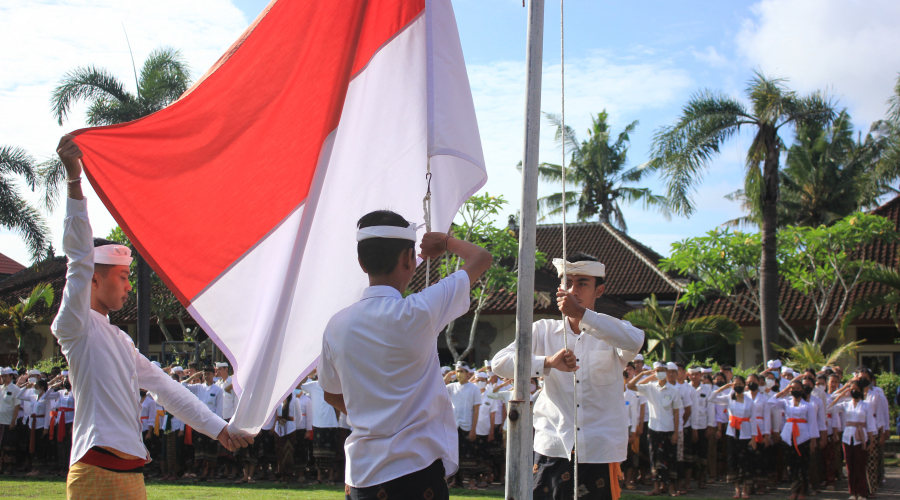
(683, 152)
(889, 278)
(808, 354)
(598, 169)
(827, 176)
(663, 327)
(15, 213)
(164, 77)
(20, 318)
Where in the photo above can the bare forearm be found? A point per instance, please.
(477, 259)
(337, 401)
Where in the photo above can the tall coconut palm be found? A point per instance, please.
(682, 154)
(164, 77)
(15, 212)
(663, 327)
(598, 171)
(827, 176)
(20, 318)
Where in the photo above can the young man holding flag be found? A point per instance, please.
(108, 455)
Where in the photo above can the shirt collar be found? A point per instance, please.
(380, 291)
(105, 318)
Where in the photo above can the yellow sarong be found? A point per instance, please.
(88, 482)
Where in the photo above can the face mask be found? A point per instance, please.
(739, 389)
(863, 383)
(770, 382)
(482, 384)
(856, 394)
(32, 380)
(533, 387)
(753, 386)
(660, 375)
(797, 394)
(297, 392)
(720, 383)
(807, 390)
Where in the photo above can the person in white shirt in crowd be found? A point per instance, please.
(303, 442)
(703, 422)
(740, 433)
(226, 457)
(664, 401)
(148, 412)
(496, 448)
(775, 458)
(762, 430)
(834, 385)
(810, 393)
(874, 397)
(799, 435)
(325, 425)
(643, 430)
(285, 435)
(601, 346)
(9, 408)
(107, 415)
(685, 452)
(484, 429)
(402, 444)
(721, 456)
(23, 431)
(465, 399)
(206, 449)
(635, 419)
(857, 436)
(827, 466)
(38, 423)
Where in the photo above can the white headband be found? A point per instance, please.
(221, 365)
(400, 233)
(706, 370)
(695, 369)
(671, 366)
(584, 268)
(657, 365)
(639, 357)
(114, 255)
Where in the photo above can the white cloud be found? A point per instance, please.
(43, 40)
(849, 46)
(623, 87)
(712, 57)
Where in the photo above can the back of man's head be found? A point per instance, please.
(379, 256)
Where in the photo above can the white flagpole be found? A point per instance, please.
(519, 446)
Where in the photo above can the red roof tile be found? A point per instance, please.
(9, 266)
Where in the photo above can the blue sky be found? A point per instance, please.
(638, 60)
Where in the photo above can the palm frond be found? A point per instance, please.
(571, 142)
(17, 215)
(85, 83)
(16, 161)
(165, 76)
(713, 325)
(41, 292)
(647, 199)
(52, 175)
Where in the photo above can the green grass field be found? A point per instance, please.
(18, 488)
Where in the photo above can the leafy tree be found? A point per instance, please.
(663, 327)
(15, 213)
(827, 175)
(819, 262)
(889, 278)
(164, 77)
(683, 152)
(598, 169)
(808, 354)
(20, 319)
(502, 277)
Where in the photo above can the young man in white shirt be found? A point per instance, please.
(703, 423)
(403, 443)
(600, 347)
(325, 429)
(466, 400)
(665, 404)
(107, 428)
(223, 380)
(9, 403)
(206, 449)
(685, 452)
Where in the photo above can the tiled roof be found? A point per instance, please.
(9, 266)
(798, 309)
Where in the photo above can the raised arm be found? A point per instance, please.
(477, 260)
(73, 319)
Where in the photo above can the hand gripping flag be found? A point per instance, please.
(243, 195)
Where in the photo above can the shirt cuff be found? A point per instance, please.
(76, 208)
(537, 366)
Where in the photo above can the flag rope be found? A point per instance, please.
(426, 207)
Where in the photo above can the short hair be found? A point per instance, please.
(42, 383)
(379, 256)
(624, 373)
(630, 363)
(581, 257)
(726, 368)
(209, 369)
(679, 364)
(194, 365)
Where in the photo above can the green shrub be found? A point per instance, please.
(46, 364)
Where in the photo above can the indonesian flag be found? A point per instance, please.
(244, 194)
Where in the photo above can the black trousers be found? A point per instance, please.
(798, 466)
(553, 479)
(425, 484)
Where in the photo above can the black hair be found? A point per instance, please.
(209, 369)
(755, 375)
(707, 376)
(379, 256)
(624, 373)
(735, 379)
(630, 363)
(726, 368)
(194, 365)
(100, 242)
(719, 374)
(679, 364)
(42, 383)
(821, 377)
(581, 257)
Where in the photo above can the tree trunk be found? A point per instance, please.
(768, 270)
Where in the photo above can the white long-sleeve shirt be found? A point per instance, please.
(283, 428)
(803, 411)
(323, 413)
(212, 395)
(878, 403)
(703, 413)
(632, 410)
(762, 417)
(105, 368)
(736, 409)
(857, 412)
(602, 349)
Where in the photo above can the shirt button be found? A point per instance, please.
(576, 359)
(579, 428)
(577, 381)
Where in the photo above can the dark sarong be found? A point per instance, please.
(553, 479)
(7, 446)
(205, 448)
(496, 452)
(250, 454)
(798, 466)
(284, 450)
(662, 457)
(64, 448)
(740, 460)
(325, 447)
(174, 453)
(468, 455)
(425, 484)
